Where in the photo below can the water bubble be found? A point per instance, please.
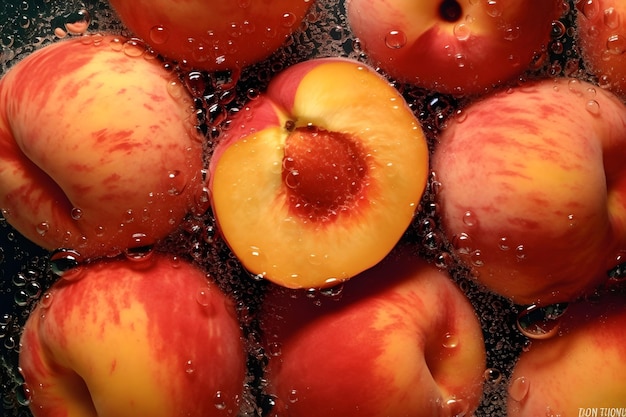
(203, 296)
(139, 249)
(558, 30)
(334, 292)
(520, 252)
(463, 243)
(537, 322)
(289, 20)
(518, 390)
(77, 23)
(195, 83)
(444, 260)
(66, 264)
(21, 298)
(492, 376)
(616, 44)
(457, 407)
(158, 35)
(469, 219)
(593, 107)
(76, 213)
(395, 39)
(134, 48)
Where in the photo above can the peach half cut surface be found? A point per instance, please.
(318, 178)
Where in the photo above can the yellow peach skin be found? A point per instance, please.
(580, 370)
(533, 188)
(455, 47)
(399, 340)
(318, 179)
(98, 148)
(154, 338)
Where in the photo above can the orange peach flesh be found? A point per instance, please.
(254, 205)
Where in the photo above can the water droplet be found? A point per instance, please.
(289, 20)
(537, 322)
(43, 228)
(159, 35)
(593, 107)
(203, 296)
(134, 48)
(450, 341)
(616, 44)
(469, 219)
(189, 367)
(395, 39)
(219, 400)
(76, 213)
(46, 300)
(176, 182)
(611, 18)
(66, 264)
(518, 390)
(462, 31)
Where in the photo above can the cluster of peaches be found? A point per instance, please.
(313, 184)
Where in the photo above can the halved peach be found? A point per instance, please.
(318, 178)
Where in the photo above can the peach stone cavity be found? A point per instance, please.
(318, 178)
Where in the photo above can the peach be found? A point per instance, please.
(578, 372)
(98, 147)
(454, 47)
(601, 34)
(400, 340)
(127, 338)
(318, 179)
(213, 35)
(533, 189)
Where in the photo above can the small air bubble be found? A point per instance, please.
(66, 264)
(492, 376)
(537, 322)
